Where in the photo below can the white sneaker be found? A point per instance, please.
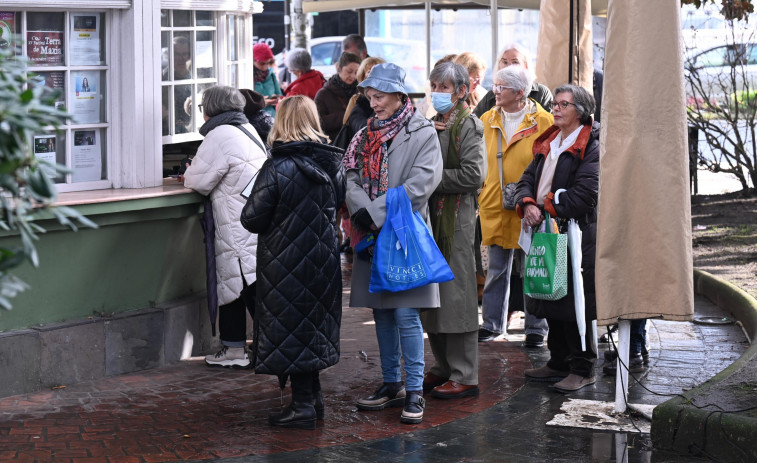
(234, 357)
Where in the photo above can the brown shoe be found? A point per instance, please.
(431, 380)
(545, 374)
(573, 383)
(453, 390)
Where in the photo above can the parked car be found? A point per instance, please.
(408, 54)
(715, 74)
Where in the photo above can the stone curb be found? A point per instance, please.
(684, 428)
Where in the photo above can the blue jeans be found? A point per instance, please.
(400, 333)
(638, 335)
(496, 297)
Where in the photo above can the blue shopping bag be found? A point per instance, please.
(406, 255)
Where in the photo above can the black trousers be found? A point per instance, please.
(565, 352)
(305, 386)
(232, 322)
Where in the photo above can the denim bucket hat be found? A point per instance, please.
(387, 78)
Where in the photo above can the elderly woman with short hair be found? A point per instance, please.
(476, 68)
(452, 330)
(563, 180)
(225, 163)
(510, 129)
(308, 80)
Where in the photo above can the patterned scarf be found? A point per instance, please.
(367, 151)
(260, 75)
(367, 154)
(444, 206)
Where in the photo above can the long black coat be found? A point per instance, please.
(293, 208)
(577, 172)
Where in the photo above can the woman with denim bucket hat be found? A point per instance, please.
(399, 133)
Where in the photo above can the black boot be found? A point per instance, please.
(412, 413)
(318, 405)
(297, 415)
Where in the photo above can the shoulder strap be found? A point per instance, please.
(247, 132)
(499, 164)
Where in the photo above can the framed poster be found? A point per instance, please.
(86, 156)
(44, 150)
(84, 96)
(85, 38)
(7, 28)
(45, 48)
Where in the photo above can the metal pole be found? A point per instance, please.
(621, 378)
(570, 43)
(428, 38)
(287, 24)
(495, 32)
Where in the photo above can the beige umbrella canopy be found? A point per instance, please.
(644, 264)
(565, 44)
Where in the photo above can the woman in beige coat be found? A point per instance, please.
(453, 330)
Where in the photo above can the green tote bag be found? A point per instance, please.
(546, 273)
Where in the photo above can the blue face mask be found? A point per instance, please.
(442, 102)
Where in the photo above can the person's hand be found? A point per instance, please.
(271, 100)
(440, 126)
(532, 215)
(362, 220)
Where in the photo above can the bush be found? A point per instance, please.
(26, 191)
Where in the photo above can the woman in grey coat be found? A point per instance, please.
(397, 148)
(453, 330)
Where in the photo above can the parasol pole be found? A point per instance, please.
(621, 379)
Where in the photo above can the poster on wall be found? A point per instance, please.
(85, 38)
(44, 150)
(56, 81)
(45, 48)
(85, 97)
(86, 156)
(7, 27)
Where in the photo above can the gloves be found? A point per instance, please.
(362, 220)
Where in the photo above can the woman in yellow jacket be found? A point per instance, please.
(510, 128)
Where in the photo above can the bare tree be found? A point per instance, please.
(721, 86)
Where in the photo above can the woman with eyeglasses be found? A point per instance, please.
(563, 180)
(476, 69)
(510, 128)
(264, 73)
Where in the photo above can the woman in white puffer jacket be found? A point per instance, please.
(225, 163)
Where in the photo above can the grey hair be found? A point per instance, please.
(298, 59)
(583, 100)
(452, 73)
(220, 99)
(517, 47)
(516, 77)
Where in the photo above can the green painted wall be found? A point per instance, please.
(146, 252)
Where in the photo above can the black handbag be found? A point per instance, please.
(343, 137)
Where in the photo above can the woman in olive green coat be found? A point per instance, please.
(453, 329)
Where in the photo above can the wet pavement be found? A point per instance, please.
(190, 412)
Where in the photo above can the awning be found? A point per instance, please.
(598, 7)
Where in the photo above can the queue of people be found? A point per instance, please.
(335, 148)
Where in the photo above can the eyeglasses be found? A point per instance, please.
(561, 104)
(475, 80)
(270, 63)
(500, 88)
(199, 106)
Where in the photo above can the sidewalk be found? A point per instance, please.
(190, 412)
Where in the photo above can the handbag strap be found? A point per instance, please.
(247, 132)
(499, 164)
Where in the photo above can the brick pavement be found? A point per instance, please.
(193, 412)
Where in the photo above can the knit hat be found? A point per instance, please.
(261, 52)
(254, 102)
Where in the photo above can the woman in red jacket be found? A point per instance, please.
(308, 81)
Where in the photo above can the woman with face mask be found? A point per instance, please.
(453, 330)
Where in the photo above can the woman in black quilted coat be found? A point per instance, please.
(292, 208)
